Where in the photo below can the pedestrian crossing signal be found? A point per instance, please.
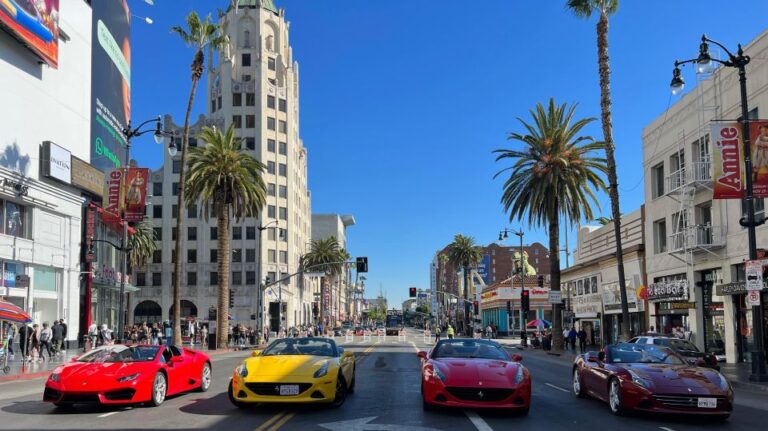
(525, 298)
(412, 292)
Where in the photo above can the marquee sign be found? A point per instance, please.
(668, 291)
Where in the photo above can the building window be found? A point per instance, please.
(271, 256)
(250, 278)
(173, 279)
(660, 236)
(191, 278)
(250, 255)
(157, 189)
(271, 63)
(271, 235)
(284, 235)
(213, 105)
(175, 189)
(272, 276)
(237, 232)
(250, 121)
(214, 277)
(218, 102)
(237, 120)
(193, 142)
(271, 168)
(283, 170)
(192, 211)
(270, 123)
(283, 213)
(214, 233)
(271, 102)
(271, 145)
(157, 211)
(237, 255)
(157, 256)
(657, 180)
(214, 255)
(158, 233)
(283, 257)
(271, 211)
(283, 191)
(250, 232)
(237, 99)
(14, 220)
(141, 279)
(246, 59)
(173, 234)
(157, 279)
(758, 203)
(283, 127)
(246, 77)
(284, 148)
(191, 256)
(191, 233)
(237, 278)
(250, 143)
(250, 99)
(174, 211)
(271, 189)
(283, 104)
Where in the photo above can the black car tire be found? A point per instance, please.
(341, 392)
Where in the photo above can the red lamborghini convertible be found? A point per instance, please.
(651, 378)
(123, 374)
(474, 373)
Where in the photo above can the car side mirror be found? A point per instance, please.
(177, 359)
(422, 355)
(256, 353)
(348, 354)
(517, 358)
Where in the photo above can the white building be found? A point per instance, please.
(695, 246)
(346, 299)
(40, 210)
(255, 87)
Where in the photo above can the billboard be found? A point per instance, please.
(482, 268)
(35, 24)
(110, 83)
(135, 193)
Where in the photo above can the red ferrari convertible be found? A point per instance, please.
(651, 378)
(121, 374)
(473, 373)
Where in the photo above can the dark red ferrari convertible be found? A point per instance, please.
(121, 374)
(474, 373)
(651, 378)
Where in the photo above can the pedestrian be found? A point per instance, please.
(105, 335)
(204, 336)
(450, 332)
(25, 332)
(582, 340)
(45, 341)
(64, 339)
(9, 336)
(93, 335)
(566, 332)
(572, 337)
(266, 334)
(57, 335)
(438, 329)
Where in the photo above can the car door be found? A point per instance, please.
(346, 364)
(177, 371)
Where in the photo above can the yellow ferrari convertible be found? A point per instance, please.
(295, 370)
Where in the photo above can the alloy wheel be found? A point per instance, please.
(159, 389)
(577, 383)
(614, 397)
(205, 378)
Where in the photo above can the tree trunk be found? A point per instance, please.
(554, 284)
(222, 325)
(180, 218)
(466, 300)
(613, 183)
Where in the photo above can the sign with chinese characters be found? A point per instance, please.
(668, 291)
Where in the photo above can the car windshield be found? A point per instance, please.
(300, 346)
(676, 344)
(469, 349)
(121, 353)
(643, 354)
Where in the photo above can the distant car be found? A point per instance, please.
(472, 373)
(359, 330)
(122, 374)
(684, 347)
(651, 378)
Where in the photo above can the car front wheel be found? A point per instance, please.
(341, 391)
(614, 397)
(159, 389)
(205, 378)
(578, 389)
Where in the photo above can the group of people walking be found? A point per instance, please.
(35, 341)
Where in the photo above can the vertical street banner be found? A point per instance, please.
(135, 193)
(727, 160)
(110, 83)
(113, 197)
(758, 135)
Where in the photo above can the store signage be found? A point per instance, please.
(90, 231)
(113, 196)
(612, 299)
(668, 291)
(57, 162)
(20, 188)
(735, 288)
(135, 193)
(87, 177)
(22, 280)
(108, 275)
(587, 305)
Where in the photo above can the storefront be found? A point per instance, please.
(495, 298)
(670, 296)
(734, 296)
(612, 314)
(712, 311)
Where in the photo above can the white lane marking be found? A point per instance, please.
(666, 429)
(557, 387)
(477, 421)
(106, 415)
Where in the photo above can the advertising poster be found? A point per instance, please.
(727, 160)
(36, 24)
(111, 83)
(758, 135)
(113, 197)
(135, 193)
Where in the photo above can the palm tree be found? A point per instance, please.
(553, 175)
(463, 253)
(585, 9)
(198, 35)
(604, 221)
(325, 255)
(141, 244)
(229, 183)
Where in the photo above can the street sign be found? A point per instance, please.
(555, 296)
(754, 270)
(753, 298)
(314, 274)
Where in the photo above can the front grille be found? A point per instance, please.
(51, 394)
(274, 388)
(684, 401)
(121, 395)
(81, 398)
(480, 394)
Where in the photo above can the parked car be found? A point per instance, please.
(685, 348)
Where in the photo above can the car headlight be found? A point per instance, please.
(128, 378)
(243, 370)
(55, 377)
(639, 381)
(519, 376)
(439, 375)
(322, 370)
(724, 385)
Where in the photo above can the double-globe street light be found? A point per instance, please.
(704, 63)
(504, 234)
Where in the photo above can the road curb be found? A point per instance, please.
(754, 387)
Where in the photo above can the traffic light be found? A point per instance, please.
(412, 292)
(541, 281)
(476, 306)
(525, 300)
(362, 264)
(267, 280)
(231, 299)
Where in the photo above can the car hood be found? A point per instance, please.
(700, 381)
(95, 375)
(286, 365)
(477, 372)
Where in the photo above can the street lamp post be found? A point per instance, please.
(259, 298)
(504, 234)
(739, 61)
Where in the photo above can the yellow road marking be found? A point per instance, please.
(282, 421)
(269, 422)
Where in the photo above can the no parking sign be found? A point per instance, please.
(753, 298)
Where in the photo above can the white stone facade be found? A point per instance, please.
(344, 301)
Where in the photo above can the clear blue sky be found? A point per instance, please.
(403, 101)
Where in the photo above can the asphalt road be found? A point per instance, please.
(386, 398)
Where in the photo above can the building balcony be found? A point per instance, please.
(697, 238)
(698, 175)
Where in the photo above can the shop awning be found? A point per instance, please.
(586, 316)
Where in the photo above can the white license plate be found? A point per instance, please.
(708, 403)
(294, 390)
